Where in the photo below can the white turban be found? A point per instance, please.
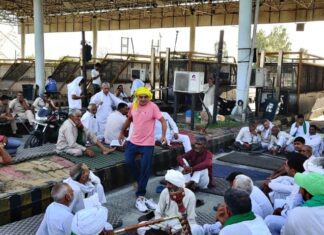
(176, 178)
(90, 221)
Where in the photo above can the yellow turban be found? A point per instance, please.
(141, 91)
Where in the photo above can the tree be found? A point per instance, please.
(278, 39)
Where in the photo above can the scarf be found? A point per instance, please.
(234, 219)
(317, 200)
(80, 139)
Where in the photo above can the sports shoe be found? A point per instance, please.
(150, 204)
(140, 204)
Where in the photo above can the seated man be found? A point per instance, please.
(175, 200)
(58, 216)
(91, 221)
(279, 140)
(264, 130)
(248, 139)
(245, 183)
(115, 123)
(312, 164)
(172, 134)
(300, 127)
(235, 216)
(72, 137)
(307, 219)
(89, 120)
(315, 141)
(196, 164)
(44, 102)
(84, 184)
(20, 107)
(6, 116)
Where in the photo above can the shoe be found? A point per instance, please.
(150, 204)
(140, 204)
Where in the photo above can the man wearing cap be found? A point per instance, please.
(84, 184)
(91, 221)
(73, 136)
(196, 164)
(58, 216)
(307, 219)
(175, 200)
(143, 113)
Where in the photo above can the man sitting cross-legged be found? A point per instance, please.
(248, 138)
(73, 136)
(172, 134)
(58, 216)
(279, 140)
(175, 200)
(84, 184)
(196, 164)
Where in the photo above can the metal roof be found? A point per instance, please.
(75, 15)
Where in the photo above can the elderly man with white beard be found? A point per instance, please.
(84, 184)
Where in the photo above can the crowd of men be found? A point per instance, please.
(294, 191)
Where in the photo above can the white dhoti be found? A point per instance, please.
(201, 178)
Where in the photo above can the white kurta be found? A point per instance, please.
(261, 199)
(281, 186)
(250, 227)
(73, 88)
(57, 220)
(80, 190)
(281, 140)
(104, 109)
(315, 141)
(172, 129)
(137, 83)
(167, 207)
(209, 95)
(95, 73)
(90, 122)
(265, 134)
(245, 136)
(304, 221)
(114, 124)
(299, 131)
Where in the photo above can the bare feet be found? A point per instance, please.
(108, 150)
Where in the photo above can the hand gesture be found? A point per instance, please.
(121, 138)
(187, 170)
(163, 140)
(222, 214)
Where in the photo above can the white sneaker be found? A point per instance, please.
(140, 204)
(150, 204)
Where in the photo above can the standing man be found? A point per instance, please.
(58, 217)
(143, 114)
(136, 83)
(95, 76)
(74, 93)
(106, 103)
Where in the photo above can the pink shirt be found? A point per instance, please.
(144, 123)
